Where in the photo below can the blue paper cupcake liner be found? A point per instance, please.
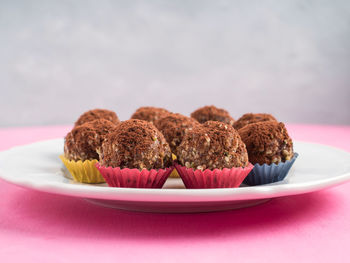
(267, 174)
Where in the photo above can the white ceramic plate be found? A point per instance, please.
(37, 166)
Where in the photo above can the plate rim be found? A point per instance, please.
(172, 195)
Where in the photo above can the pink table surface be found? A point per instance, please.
(43, 227)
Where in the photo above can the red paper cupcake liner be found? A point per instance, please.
(134, 178)
(225, 178)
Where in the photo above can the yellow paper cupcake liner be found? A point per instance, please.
(83, 171)
(174, 173)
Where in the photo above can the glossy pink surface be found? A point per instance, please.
(42, 227)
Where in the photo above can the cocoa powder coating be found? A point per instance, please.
(174, 127)
(84, 141)
(135, 144)
(96, 114)
(249, 118)
(150, 114)
(212, 113)
(212, 145)
(267, 142)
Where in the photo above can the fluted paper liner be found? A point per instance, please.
(267, 174)
(83, 171)
(174, 173)
(134, 178)
(217, 178)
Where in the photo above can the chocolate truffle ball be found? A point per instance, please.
(135, 144)
(174, 127)
(150, 114)
(84, 141)
(267, 142)
(249, 118)
(96, 114)
(212, 145)
(212, 113)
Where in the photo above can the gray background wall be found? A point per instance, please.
(60, 58)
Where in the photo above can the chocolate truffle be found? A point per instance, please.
(96, 114)
(135, 144)
(174, 127)
(249, 118)
(84, 141)
(150, 114)
(212, 113)
(267, 142)
(212, 145)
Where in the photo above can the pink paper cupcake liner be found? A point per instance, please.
(225, 178)
(134, 178)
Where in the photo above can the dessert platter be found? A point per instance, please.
(158, 161)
